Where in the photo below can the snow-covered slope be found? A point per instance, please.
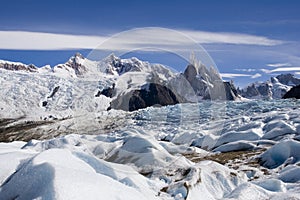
(273, 89)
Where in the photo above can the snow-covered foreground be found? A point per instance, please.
(210, 150)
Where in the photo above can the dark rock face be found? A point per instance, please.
(230, 91)
(108, 92)
(54, 92)
(293, 93)
(44, 103)
(150, 95)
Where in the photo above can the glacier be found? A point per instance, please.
(59, 141)
(164, 153)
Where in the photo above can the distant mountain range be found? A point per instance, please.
(115, 83)
(275, 88)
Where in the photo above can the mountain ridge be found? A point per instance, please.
(67, 94)
(275, 88)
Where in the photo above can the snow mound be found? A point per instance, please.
(54, 169)
(285, 152)
(232, 136)
(277, 128)
(290, 174)
(273, 185)
(235, 146)
(248, 191)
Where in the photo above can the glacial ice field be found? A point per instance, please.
(209, 150)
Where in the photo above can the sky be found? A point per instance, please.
(247, 40)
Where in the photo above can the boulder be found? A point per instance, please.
(151, 94)
(293, 93)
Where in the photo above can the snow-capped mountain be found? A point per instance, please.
(275, 88)
(79, 83)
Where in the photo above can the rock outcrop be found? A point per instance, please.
(108, 92)
(151, 94)
(293, 93)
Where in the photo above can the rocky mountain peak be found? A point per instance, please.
(288, 79)
(117, 66)
(76, 62)
(190, 72)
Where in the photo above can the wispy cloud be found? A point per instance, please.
(21, 40)
(246, 70)
(257, 75)
(231, 38)
(281, 69)
(279, 65)
(267, 71)
(269, 22)
(286, 69)
(232, 75)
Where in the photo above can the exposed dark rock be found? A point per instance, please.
(108, 92)
(98, 94)
(44, 103)
(53, 92)
(151, 94)
(231, 91)
(293, 93)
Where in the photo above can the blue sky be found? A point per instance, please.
(248, 40)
